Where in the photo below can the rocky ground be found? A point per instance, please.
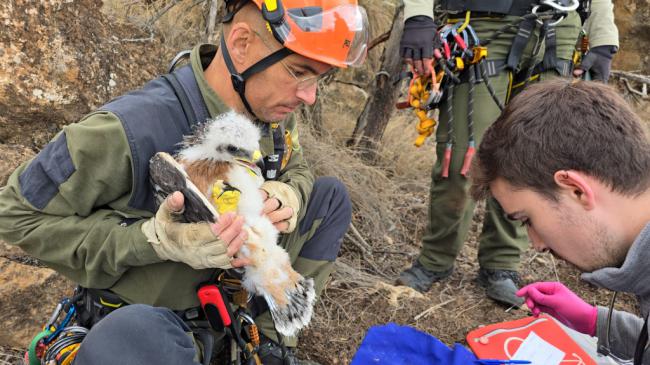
(59, 59)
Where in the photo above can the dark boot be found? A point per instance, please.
(501, 286)
(421, 279)
(272, 353)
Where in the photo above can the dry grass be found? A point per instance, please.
(178, 24)
(10, 356)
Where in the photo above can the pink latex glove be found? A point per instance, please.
(557, 300)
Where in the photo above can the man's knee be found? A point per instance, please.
(329, 204)
(137, 334)
(328, 198)
(339, 193)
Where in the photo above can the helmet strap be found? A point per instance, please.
(239, 80)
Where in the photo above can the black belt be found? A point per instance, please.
(489, 7)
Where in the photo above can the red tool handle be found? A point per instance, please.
(467, 162)
(446, 161)
(210, 297)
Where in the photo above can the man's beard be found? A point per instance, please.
(610, 250)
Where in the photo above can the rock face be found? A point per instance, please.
(12, 156)
(59, 59)
(633, 28)
(27, 296)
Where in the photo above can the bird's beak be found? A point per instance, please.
(257, 156)
(259, 160)
(251, 160)
(255, 162)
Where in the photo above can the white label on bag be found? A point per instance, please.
(538, 351)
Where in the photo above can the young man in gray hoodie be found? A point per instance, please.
(571, 162)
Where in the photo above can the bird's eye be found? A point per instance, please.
(232, 149)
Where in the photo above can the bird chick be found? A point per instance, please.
(216, 171)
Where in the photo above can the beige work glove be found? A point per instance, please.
(191, 243)
(287, 197)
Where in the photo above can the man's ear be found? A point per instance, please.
(239, 41)
(574, 185)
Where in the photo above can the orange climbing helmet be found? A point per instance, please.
(334, 32)
(330, 31)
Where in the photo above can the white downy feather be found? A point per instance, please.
(297, 313)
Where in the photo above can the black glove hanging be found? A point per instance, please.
(417, 38)
(598, 62)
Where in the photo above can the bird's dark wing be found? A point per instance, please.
(168, 176)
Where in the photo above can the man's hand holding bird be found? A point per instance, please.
(200, 245)
(281, 205)
(277, 214)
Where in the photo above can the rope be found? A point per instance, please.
(446, 161)
(486, 80)
(470, 106)
(471, 145)
(450, 112)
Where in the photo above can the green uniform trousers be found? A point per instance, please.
(451, 209)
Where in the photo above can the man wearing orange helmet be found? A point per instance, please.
(87, 193)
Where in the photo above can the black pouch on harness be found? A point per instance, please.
(92, 305)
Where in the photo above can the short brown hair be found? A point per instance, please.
(564, 125)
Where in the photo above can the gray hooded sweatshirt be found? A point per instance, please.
(632, 277)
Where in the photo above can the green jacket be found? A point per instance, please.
(78, 231)
(600, 26)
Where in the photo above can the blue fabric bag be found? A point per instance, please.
(400, 345)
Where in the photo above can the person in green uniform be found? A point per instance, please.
(511, 57)
(84, 205)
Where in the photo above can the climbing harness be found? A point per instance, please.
(225, 305)
(459, 56)
(59, 341)
(457, 48)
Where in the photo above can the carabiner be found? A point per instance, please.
(459, 40)
(555, 4)
(444, 33)
(474, 37)
(55, 315)
(534, 11)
